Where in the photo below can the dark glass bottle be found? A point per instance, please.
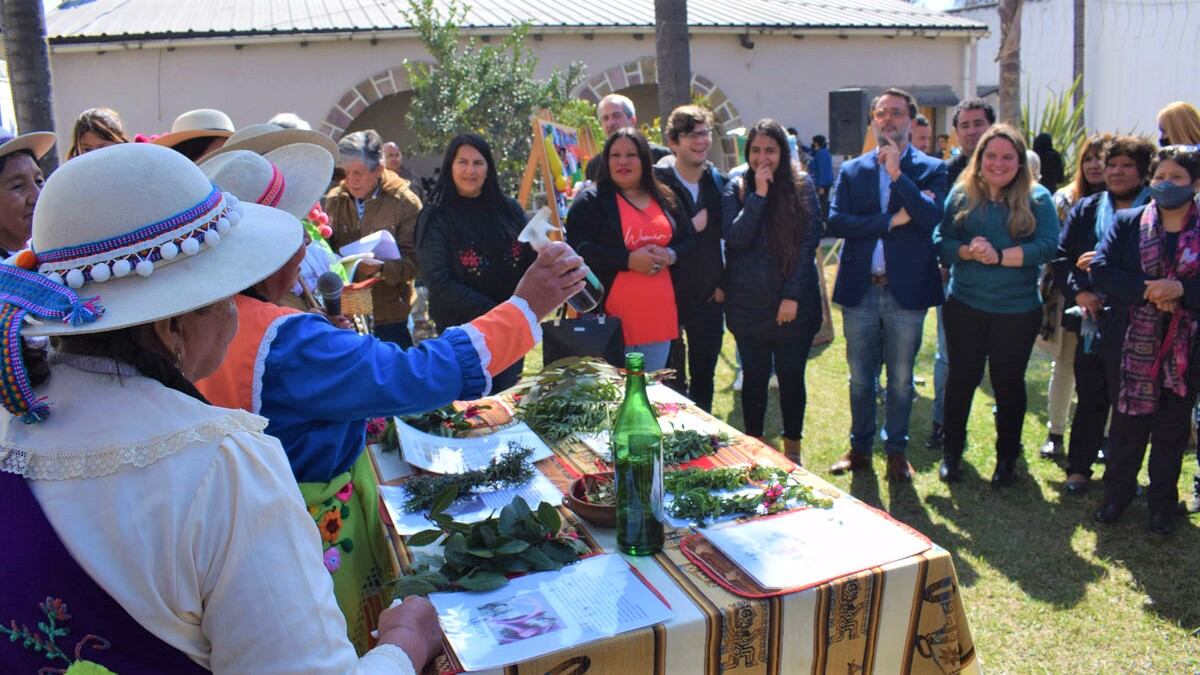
(638, 456)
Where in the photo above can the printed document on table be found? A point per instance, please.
(440, 454)
(468, 509)
(380, 243)
(541, 613)
(814, 545)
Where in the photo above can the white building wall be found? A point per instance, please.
(782, 77)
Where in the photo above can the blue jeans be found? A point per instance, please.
(881, 333)
(941, 372)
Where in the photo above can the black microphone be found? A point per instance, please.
(329, 287)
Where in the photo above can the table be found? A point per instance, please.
(904, 617)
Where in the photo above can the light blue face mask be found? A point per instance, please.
(1170, 195)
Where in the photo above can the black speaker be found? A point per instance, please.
(848, 121)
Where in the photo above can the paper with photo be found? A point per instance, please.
(380, 243)
(813, 545)
(545, 612)
(468, 509)
(441, 454)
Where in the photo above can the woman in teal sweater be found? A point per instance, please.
(999, 227)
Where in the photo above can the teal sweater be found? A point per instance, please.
(992, 288)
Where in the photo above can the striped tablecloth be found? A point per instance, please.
(904, 617)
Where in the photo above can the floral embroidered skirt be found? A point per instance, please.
(346, 511)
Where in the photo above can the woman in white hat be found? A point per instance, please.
(197, 133)
(317, 384)
(148, 531)
(20, 184)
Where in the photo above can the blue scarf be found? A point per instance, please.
(1105, 211)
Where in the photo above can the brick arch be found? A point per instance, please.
(356, 99)
(645, 71)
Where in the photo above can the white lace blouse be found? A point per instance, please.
(187, 515)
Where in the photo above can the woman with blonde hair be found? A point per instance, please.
(96, 128)
(1178, 124)
(999, 227)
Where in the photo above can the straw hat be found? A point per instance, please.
(36, 142)
(142, 228)
(263, 138)
(194, 124)
(291, 178)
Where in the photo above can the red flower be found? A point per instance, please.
(469, 259)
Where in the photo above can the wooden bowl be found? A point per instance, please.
(600, 515)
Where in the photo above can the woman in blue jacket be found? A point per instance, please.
(999, 227)
(772, 223)
(1148, 268)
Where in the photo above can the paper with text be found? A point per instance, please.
(441, 454)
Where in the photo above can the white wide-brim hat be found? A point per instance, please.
(194, 124)
(36, 142)
(263, 138)
(291, 178)
(141, 227)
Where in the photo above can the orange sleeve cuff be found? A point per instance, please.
(504, 335)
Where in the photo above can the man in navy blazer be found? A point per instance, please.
(885, 207)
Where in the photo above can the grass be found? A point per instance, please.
(1047, 590)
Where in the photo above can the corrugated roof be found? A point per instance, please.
(76, 21)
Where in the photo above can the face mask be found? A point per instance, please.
(1170, 195)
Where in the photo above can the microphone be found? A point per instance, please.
(329, 287)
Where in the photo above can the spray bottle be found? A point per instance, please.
(537, 235)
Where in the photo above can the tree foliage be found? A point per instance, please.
(486, 88)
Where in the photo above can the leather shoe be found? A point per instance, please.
(899, 469)
(1004, 475)
(1053, 447)
(1162, 522)
(950, 471)
(1109, 513)
(851, 461)
(1077, 484)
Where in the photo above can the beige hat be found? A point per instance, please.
(144, 229)
(36, 142)
(291, 178)
(194, 124)
(263, 138)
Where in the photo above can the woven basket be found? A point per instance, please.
(356, 298)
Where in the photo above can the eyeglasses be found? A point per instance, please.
(894, 113)
(697, 135)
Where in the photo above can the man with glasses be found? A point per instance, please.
(885, 206)
(697, 185)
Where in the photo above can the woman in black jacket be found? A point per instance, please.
(467, 244)
(631, 234)
(772, 225)
(1148, 269)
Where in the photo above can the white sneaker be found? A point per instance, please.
(773, 382)
(737, 381)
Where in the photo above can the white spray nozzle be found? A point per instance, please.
(537, 230)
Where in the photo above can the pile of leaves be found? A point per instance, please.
(577, 394)
(684, 445)
(511, 468)
(446, 421)
(480, 556)
(777, 490)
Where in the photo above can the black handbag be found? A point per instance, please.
(595, 335)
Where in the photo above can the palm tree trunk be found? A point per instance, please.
(1077, 69)
(28, 56)
(674, 56)
(1010, 61)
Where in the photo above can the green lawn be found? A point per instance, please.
(1047, 590)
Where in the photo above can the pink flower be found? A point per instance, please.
(333, 559)
(345, 492)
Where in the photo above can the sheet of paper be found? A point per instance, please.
(815, 545)
(440, 454)
(547, 612)
(599, 442)
(381, 243)
(472, 509)
(389, 464)
(661, 393)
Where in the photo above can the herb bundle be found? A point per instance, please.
(478, 556)
(684, 445)
(694, 500)
(511, 468)
(570, 396)
(445, 421)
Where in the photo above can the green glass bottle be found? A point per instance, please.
(637, 451)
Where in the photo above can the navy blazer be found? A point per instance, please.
(908, 251)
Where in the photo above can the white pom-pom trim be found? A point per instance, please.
(75, 278)
(168, 251)
(190, 246)
(145, 268)
(121, 268)
(56, 278)
(101, 273)
(212, 238)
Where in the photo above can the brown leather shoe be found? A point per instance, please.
(898, 468)
(851, 461)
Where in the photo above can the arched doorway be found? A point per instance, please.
(639, 81)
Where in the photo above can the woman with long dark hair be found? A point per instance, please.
(772, 227)
(998, 229)
(1148, 268)
(467, 244)
(629, 230)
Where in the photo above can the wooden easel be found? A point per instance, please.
(538, 159)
